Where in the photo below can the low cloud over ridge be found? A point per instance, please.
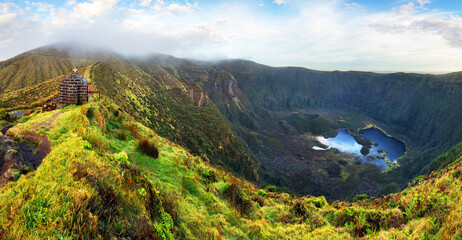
(328, 35)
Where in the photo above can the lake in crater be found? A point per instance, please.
(386, 148)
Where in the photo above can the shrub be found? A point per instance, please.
(142, 192)
(4, 115)
(208, 177)
(15, 173)
(318, 202)
(189, 185)
(133, 130)
(271, 188)
(28, 112)
(302, 208)
(121, 134)
(457, 173)
(90, 113)
(261, 192)
(147, 147)
(114, 110)
(360, 197)
(121, 158)
(87, 145)
(24, 169)
(259, 199)
(360, 222)
(237, 197)
(170, 203)
(417, 179)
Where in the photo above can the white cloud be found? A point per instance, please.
(43, 7)
(280, 2)
(94, 8)
(407, 8)
(319, 34)
(175, 8)
(352, 5)
(145, 3)
(422, 3)
(412, 6)
(71, 2)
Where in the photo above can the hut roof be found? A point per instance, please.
(80, 77)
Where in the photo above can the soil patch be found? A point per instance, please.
(27, 154)
(33, 156)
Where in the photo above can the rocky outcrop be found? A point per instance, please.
(197, 96)
(10, 158)
(21, 157)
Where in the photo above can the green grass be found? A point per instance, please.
(95, 185)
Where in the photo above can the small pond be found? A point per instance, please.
(386, 148)
(17, 113)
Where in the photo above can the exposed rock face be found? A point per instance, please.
(225, 85)
(9, 158)
(197, 96)
(7, 177)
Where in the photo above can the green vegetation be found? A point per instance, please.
(314, 124)
(162, 101)
(423, 108)
(446, 159)
(257, 121)
(95, 185)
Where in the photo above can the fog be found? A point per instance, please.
(324, 35)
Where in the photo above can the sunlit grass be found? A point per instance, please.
(95, 184)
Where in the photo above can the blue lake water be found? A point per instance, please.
(393, 146)
(17, 113)
(388, 148)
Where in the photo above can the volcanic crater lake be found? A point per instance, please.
(386, 148)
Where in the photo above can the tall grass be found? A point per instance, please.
(148, 147)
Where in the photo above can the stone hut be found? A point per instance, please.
(73, 90)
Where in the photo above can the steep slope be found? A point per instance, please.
(33, 67)
(96, 183)
(422, 110)
(177, 109)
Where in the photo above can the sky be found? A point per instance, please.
(365, 35)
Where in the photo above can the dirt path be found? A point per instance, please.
(48, 122)
(43, 147)
(31, 153)
(42, 143)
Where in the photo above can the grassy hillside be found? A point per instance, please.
(97, 182)
(176, 109)
(252, 119)
(32, 68)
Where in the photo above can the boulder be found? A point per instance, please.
(8, 176)
(12, 156)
